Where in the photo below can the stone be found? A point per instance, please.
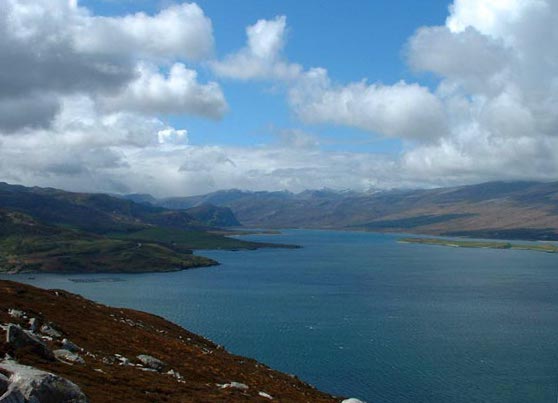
(68, 345)
(4, 383)
(50, 331)
(265, 395)
(33, 324)
(16, 313)
(235, 385)
(28, 384)
(175, 374)
(19, 338)
(123, 360)
(68, 357)
(352, 400)
(151, 362)
(12, 395)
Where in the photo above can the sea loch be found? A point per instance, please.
(359, 314)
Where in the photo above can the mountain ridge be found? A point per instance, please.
(499, 209)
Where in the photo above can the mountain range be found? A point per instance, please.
(501, 210)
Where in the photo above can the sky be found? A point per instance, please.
(181, 98)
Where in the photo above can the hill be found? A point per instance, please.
(51, 230)
(501, 210)
(122, 355)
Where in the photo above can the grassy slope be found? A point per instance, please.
(50, 230)
(84, 254)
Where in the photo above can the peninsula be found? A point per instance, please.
(543, 247)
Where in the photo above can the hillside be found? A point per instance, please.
(506, 210)
(122, 355)
(50, 230)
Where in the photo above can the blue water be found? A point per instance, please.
(358, 314)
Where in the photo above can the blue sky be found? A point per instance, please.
(361, 39)
(180, 97)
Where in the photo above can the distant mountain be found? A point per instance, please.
(510, 210)
(213, 215)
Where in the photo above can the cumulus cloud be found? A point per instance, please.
(401, 110)
(54, 48)
(172, 136)
(80, 114)
(262, 57)
(178, 31)
(177, 93)
(499, 83)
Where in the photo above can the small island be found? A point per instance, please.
(548, 248)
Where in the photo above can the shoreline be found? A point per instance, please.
(545, 248)
(110, 367)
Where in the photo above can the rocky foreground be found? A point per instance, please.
(59, 347)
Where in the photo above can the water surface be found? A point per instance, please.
(358, 314)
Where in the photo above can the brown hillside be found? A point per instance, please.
(102, 332)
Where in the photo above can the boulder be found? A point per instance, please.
(33, 325)
(50, 331)
(28, 384)
(17, 314)
(19, 338)
(151, 362)
(266, 395)
(235, 385)
(352, 400)
(68, 357)
(68, 345)
(175, 374)
(13, 395)
(4, 383)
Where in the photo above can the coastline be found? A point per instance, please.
(112, 340)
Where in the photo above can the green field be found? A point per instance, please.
(481, 244)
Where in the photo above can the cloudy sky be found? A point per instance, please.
(174, 98)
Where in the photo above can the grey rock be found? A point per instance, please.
(151, 362)
(108, 360)
(19, 338)
(30, 385)
(12, 395)
(123, 360)
(68, 357)
(68, 345)
(17, 314)
(50, 331)
(235, 385)
(266, 395)
(4, 383)
(175, 374)
(33, 324)
(352, 400)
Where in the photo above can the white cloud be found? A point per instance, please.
(400, 110)
(172, 136)
(261, 58)
(476, 61)
(54, 48)
(91, 109)
(177, 93)
(178, 31)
